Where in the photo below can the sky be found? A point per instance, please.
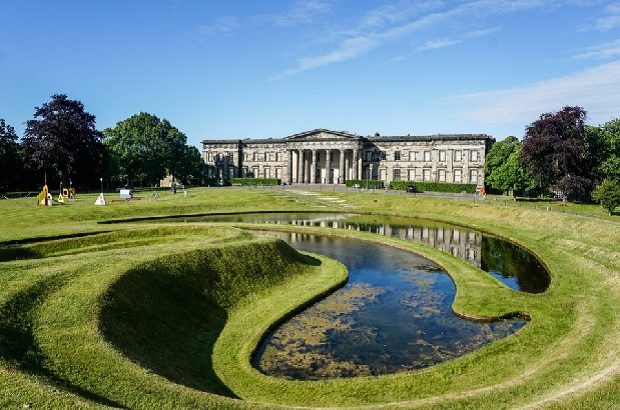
(239, 69)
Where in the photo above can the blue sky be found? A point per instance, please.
(257, 69)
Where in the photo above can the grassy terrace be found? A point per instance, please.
(155, 315)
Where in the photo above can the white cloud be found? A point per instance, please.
(398, 26)
(302, 12)
(597, 90)
(223, 25)
(603, 51)
(439, 43)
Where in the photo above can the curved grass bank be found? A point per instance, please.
(168, 316)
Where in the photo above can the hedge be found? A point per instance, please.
(365, 183)
(434, 186)
(255, 181)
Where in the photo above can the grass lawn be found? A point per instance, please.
(154, 315)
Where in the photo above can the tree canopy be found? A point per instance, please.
(608, 195)
(504, 169)
(144, 149)
(10, 159)
(62, 140)
(554, 152)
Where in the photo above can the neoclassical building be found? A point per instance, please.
(332, 157)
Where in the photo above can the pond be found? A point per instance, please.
(394, 314)
(509, 263)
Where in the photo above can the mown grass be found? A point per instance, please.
(167, 316)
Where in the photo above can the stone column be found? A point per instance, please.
(290, 166)
(301, 166)
(356, 164)
(341, 176)
(328, 166)
(313, 168)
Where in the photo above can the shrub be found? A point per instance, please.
(365, 183)
(434, 186)
(256, 181)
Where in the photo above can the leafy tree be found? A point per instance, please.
(190, 165)
(554, 152)
(144, 149)
(63, 140)
(609, 167)
(10, 159)
(608, 195)
(504, 169)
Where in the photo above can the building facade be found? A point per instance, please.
(332, 157)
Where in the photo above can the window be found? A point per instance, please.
(458, 175)
(254, 173)
(413, 156)
(397, 174)
(368, 156)
(458, 155)
(231, 157)
(473, 176)
(278, 156)
(383, 174)
(427, 156)
(442, 156)
(473, 155)
(411, 175)
(278, 173)
(441, 175)
(267, 173)
(396, 155)
(426, 175)
(254, 156)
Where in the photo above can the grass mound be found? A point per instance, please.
(141, 313)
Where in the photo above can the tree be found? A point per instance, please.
(608, 195)
(11, 165)
(504, 169)
(609, 167)
(190, 165)
(62, 140)
(144, 149)
(554, 152)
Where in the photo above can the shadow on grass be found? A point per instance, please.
(18, 347)
(166, 324)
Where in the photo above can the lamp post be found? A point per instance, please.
(101, 179)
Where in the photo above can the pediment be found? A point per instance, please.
(322, 135)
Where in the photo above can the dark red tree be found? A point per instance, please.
(553, 152)
(63, 141)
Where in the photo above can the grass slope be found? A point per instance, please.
(167, 316)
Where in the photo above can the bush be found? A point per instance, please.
(255, 181)
(434, 186)
(365, 183)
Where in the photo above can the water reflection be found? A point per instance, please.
(509, 263)
(393, 315)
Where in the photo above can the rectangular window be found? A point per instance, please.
(458, 155)
(458, 175)
(411, 175)
(442, 156)
(441, 175)
(383, 174)
(397, 174)
(473, 155)
(426, 175)
(368, 156)
(278, 156)
(278, 173)
(427, 156)
(254, 156)
(396, 155)
(473, 176)
(267, 173)
(413, 156)
(254, 173)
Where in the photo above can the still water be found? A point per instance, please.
(394, 314)
(509, 263)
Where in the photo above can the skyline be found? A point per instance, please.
(238, 70)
